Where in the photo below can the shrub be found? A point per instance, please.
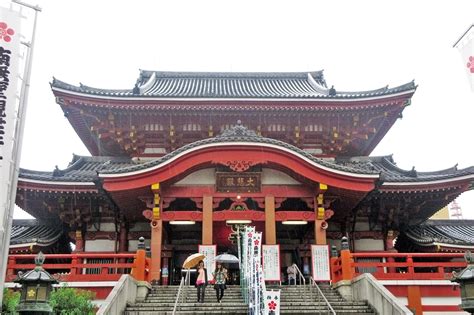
(71, 301)
(10, 301)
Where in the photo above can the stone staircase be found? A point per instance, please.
(298, 300)
(161, 300)
(294, 300)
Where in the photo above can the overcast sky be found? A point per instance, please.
(360, 45)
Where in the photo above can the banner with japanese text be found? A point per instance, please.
(271, 262)
(9, 74)
(210, 251)
(320, 262)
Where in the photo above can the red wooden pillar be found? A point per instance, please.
(270, 224)
(389, 241)
(155, 246)
(156, 236)
(207, 222)
(79, 242)
(123, 241)
(319, 223)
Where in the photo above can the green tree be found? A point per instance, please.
(10, 301)
(71, 301)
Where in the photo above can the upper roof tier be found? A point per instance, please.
(231, 85)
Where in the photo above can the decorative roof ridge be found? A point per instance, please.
(449, 222)
(391, 165)
(240, 133)
(31, 222)
(237, 74)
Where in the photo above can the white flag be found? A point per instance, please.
(465, 44)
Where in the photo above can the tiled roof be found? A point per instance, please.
(442, 232)
(80, 169)
(391, 173)
(85, 169)
(33, 232)
(232, 85)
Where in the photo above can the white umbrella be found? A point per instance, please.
(227, 259)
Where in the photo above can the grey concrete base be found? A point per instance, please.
(126, 291)
(344, 287)
(143, 287)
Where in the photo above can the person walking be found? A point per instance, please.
(220, 276)
(201, 281)
(291, 271)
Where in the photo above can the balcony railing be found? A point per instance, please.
(76, 267)
(396, 266)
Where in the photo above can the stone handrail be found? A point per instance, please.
(366, 287)
(127, 290)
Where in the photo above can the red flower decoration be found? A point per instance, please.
(6, 32)
(256, 242)
(250, 234)
(272, 305)
(470, 64)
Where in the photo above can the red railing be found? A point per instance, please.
(76, 267)
(397, 266)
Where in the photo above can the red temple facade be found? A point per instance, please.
(181, 157)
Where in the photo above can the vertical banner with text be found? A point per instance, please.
(9, 67)
(271, 262)
(210, 251)
(320, 262)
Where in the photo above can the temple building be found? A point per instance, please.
(183, 158)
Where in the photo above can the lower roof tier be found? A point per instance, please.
(372, 186)
(438, 235)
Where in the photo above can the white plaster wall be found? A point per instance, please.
(274, 177)
(140, 226)
(362, 226)
(100, 246)
(202, 177)
(133, 245)
(107, 227)
(368, 244)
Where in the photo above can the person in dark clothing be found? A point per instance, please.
(220, 275)
(201, 281)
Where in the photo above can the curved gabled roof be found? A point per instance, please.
(231, 85)
(239, 134)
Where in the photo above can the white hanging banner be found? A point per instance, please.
(465, 45)
(271, 262)
(9, 67)
(320, 262)
(210, 251)
(272, 302)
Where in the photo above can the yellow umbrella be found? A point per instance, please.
(193, 260)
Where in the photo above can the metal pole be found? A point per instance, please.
(17, 143)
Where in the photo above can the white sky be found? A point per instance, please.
(360, 45)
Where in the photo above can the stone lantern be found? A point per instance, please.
(465, 278)
(36, 286)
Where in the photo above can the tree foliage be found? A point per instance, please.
(10, 301)
(71, 301)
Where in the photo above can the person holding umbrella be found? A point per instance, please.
(220, 276)
(201, 281)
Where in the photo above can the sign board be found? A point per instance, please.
(238, 182)
(320, 262)
(271, 262)
(271, 299)
(210, 252)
